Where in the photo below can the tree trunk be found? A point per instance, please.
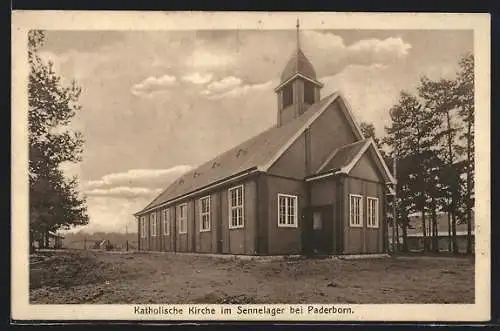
(405, 235)
(32, 243)
(469, 188)
(397, 237)
(454, 233)
(424, 231)
(435, 234)
(449, 232)
(469, 232)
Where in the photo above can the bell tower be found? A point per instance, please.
(298, 88)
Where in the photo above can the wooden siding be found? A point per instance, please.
(329, 192)
(364, 239)
(366, 169)
(284, 240)
(323, 192)
(232, 241)
(329, 132)
(262, 205)
(241, 240)
(293, 162)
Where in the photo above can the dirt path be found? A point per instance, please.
(99, 277)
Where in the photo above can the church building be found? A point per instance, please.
(309, 184)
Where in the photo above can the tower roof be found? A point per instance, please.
(298, 64)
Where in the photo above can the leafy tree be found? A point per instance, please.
(368, 131)
(411, 139)
(55, 202)
(396, 134)
(465, 100)
(440, 97)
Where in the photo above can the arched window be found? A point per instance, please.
(287, 95)
(308, 93)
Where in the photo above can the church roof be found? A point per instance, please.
(342, 156)
(298, 64)
(258, 152)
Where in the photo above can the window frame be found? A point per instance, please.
(295, 200)
(236, 207)
(143, 227)
(166, 221)
(183, 218)
(206, 213)
(153, 224)
(351, 223)
(376, 223)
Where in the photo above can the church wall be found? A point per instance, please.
(364, 239)
(328, 192)
(366, 169)
(292, 162)
(183, 240)
(288, 113)
(167, 241)
(144, 242)
(241, 240)
(284, 240)
(206, 241)
(155, 241)
(329, 132)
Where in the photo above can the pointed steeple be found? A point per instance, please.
(298, 35)
(298, 63)
(299, 87)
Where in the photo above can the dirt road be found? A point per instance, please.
(100, 277)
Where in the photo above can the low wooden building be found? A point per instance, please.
(415, 236)
(311, 183)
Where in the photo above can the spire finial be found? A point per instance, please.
(298, 36)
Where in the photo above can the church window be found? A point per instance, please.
(355, 210)
(308, 93)
(287, 95)
(287, 210)
(182, 218)
(236, 207)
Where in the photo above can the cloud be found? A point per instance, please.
(239, 91)
(224, 84)
(380, 51)
(329, 53)
(153, 85)
(124, 192)
(114, 198)
(203, 58)
(76, 64)
(197, 78)
(138, 178)
(112, 214)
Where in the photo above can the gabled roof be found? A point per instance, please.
(258, 153)
(344, 158)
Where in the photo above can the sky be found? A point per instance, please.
(157, 103)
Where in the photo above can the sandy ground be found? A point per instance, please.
(100, 277)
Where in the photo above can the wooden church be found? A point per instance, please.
(309, 184)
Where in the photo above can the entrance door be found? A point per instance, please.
(317, 234)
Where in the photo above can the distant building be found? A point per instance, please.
(311, 183)
(54, 240)
(415, 237)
